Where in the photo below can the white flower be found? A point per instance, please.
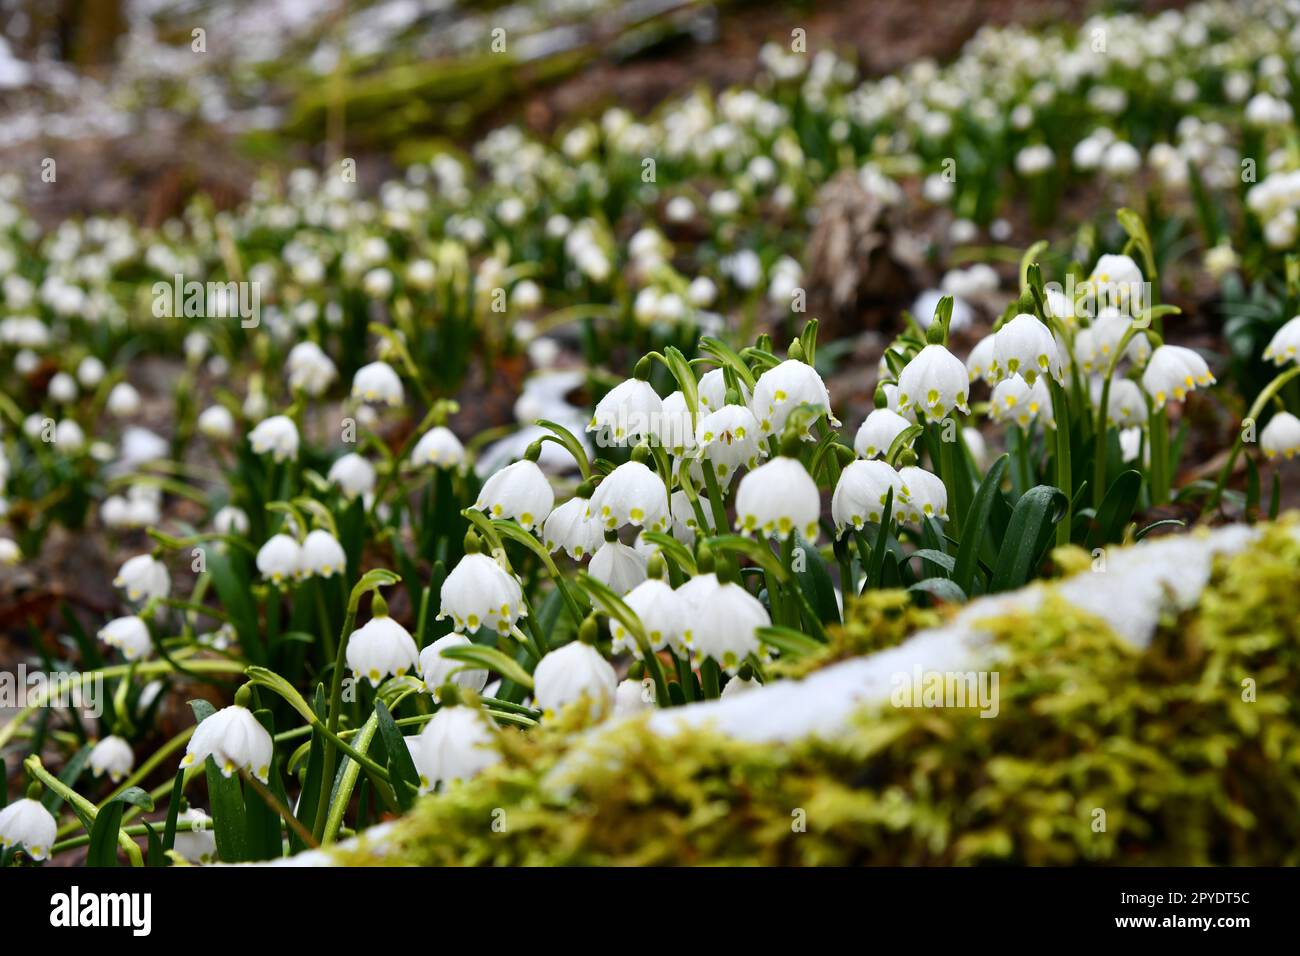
(778, 499)
(934, 382)
(377, 382)
(1035, 160)
(62, 388)
(629, 412)
(619, 566)
(782, 389)
(481, 593)
(230, 520)
(723, 620)
(1127, 405)
(980, 364)
(235, 740)
(1130, 444)
(633, 697)
(1026, 347)
(659, 609)
(27, 823)
(926, 495)
(277, 435)
(354, 474)
(630, 494)
(216, 422)
(1118, 282)
(877, 434)
(861, 491)
(69, 437)
(123, 400)
(90, 371)
(280, 559)
(10, 553)
(381, 647)
(198, 844)
(675, 431)
(129, 635)
(438, 447)
(143, 577)
(569, 674)
(1095, 346)
(518, 491)
(310, 369)
(712, 390)
(729, 438)
(438, 670)
(1281, 436)
(112, 756)
(1282, 347)
(321, 555)
(570, 527)
(1174, 370)
(455, 745)
(1015, 400)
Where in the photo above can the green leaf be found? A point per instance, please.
(405, 778)
(103, 835)
(173, 811)
(941, 588)
(230, 576)
(492, 659)
(791, 643)
(681, 370)
(945, 561)
(1116, 509)
(571, 445)
(815, 580)
(726, 355)
(963, 570)
(1036, 514)
(1162, 523)
(229, 819)
(202, 710)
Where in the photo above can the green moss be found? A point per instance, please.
(1188, 766)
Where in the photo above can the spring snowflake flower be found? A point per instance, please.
(438, 670)
(660, 611)
(1282, 347)
(779, 499)
(198, 844)
(571, 673)
(1117, 281)
(90, 371)
(619, 566)
(321, 555)
(354, 474)
(1026, 347)
(310, 369)
(1174, 371)
(438, 447)
(570, 527)
(633, 697)
(737, 686)
(68, 436)
(675, 431)
(782, 389)
(216, 422)
(1014, 400)
(1281, 436)
(729, 438)
(235, 740)
(277, 435)
(877, 434)
(712, 389)
(378, 382)
(143, 578)
(230, 520)
(980, 364)
(629, 412)
(934, 382)
(62, 388)
(630, 494)
(381, 647)
(1127, 405)
(112, 756)
(927, 497)
(480, 593)
(123, 400)
(723, 625)
(518, 491)
(860, 494)
(10, 554)
(28, 824)
(1095, 346)
(456, 744)
(129, 635)
(280, 559)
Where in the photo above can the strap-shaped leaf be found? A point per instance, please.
(491, 659)
(1036, 514)
(977, 520)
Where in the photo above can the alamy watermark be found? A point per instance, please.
(208, 300)
(62, 689)
(945, 689)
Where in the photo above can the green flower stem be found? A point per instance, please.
(37, 770)
(272, 801)
(335, 706)
(138, 830)
(339, 807)
(1264, 398)
(948, 471)
(710, 679)
(685, 676)
(1064, 474)
(715, 497)
(1158, 427)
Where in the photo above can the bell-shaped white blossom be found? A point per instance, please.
(618, 566)
(571, 674)
(630, 494)
(1281, 436)
(235, 740)
(633, 697)
(675, 430)
(571, 527)
(230, 520)
(143, 578)
(128, 634)
(659, 609)
(1096, 345)
(712, 391)
(112, 756)
(310, 369)
(877, 434)
(198, 843)
(1173, 371)
(1117, 281)
(216, 422)
(456, 744)
(28, 824)
(779, 499)
(724, 626)
(1015, 400)
(980, 364)
(438, 447)
(1283, 346)
(934, 382)
(353, 474)
(480, 593)
(280, 559)
(926, 495)
(520, 491)
(782, 389)
(729, 438)
(322, 555)
(1026, 347)
(860, 494)
(123, 400)
(381, 647)
(629, 412)
(378, 382)
(1127, 406)
(277, 435)
(438, 670)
